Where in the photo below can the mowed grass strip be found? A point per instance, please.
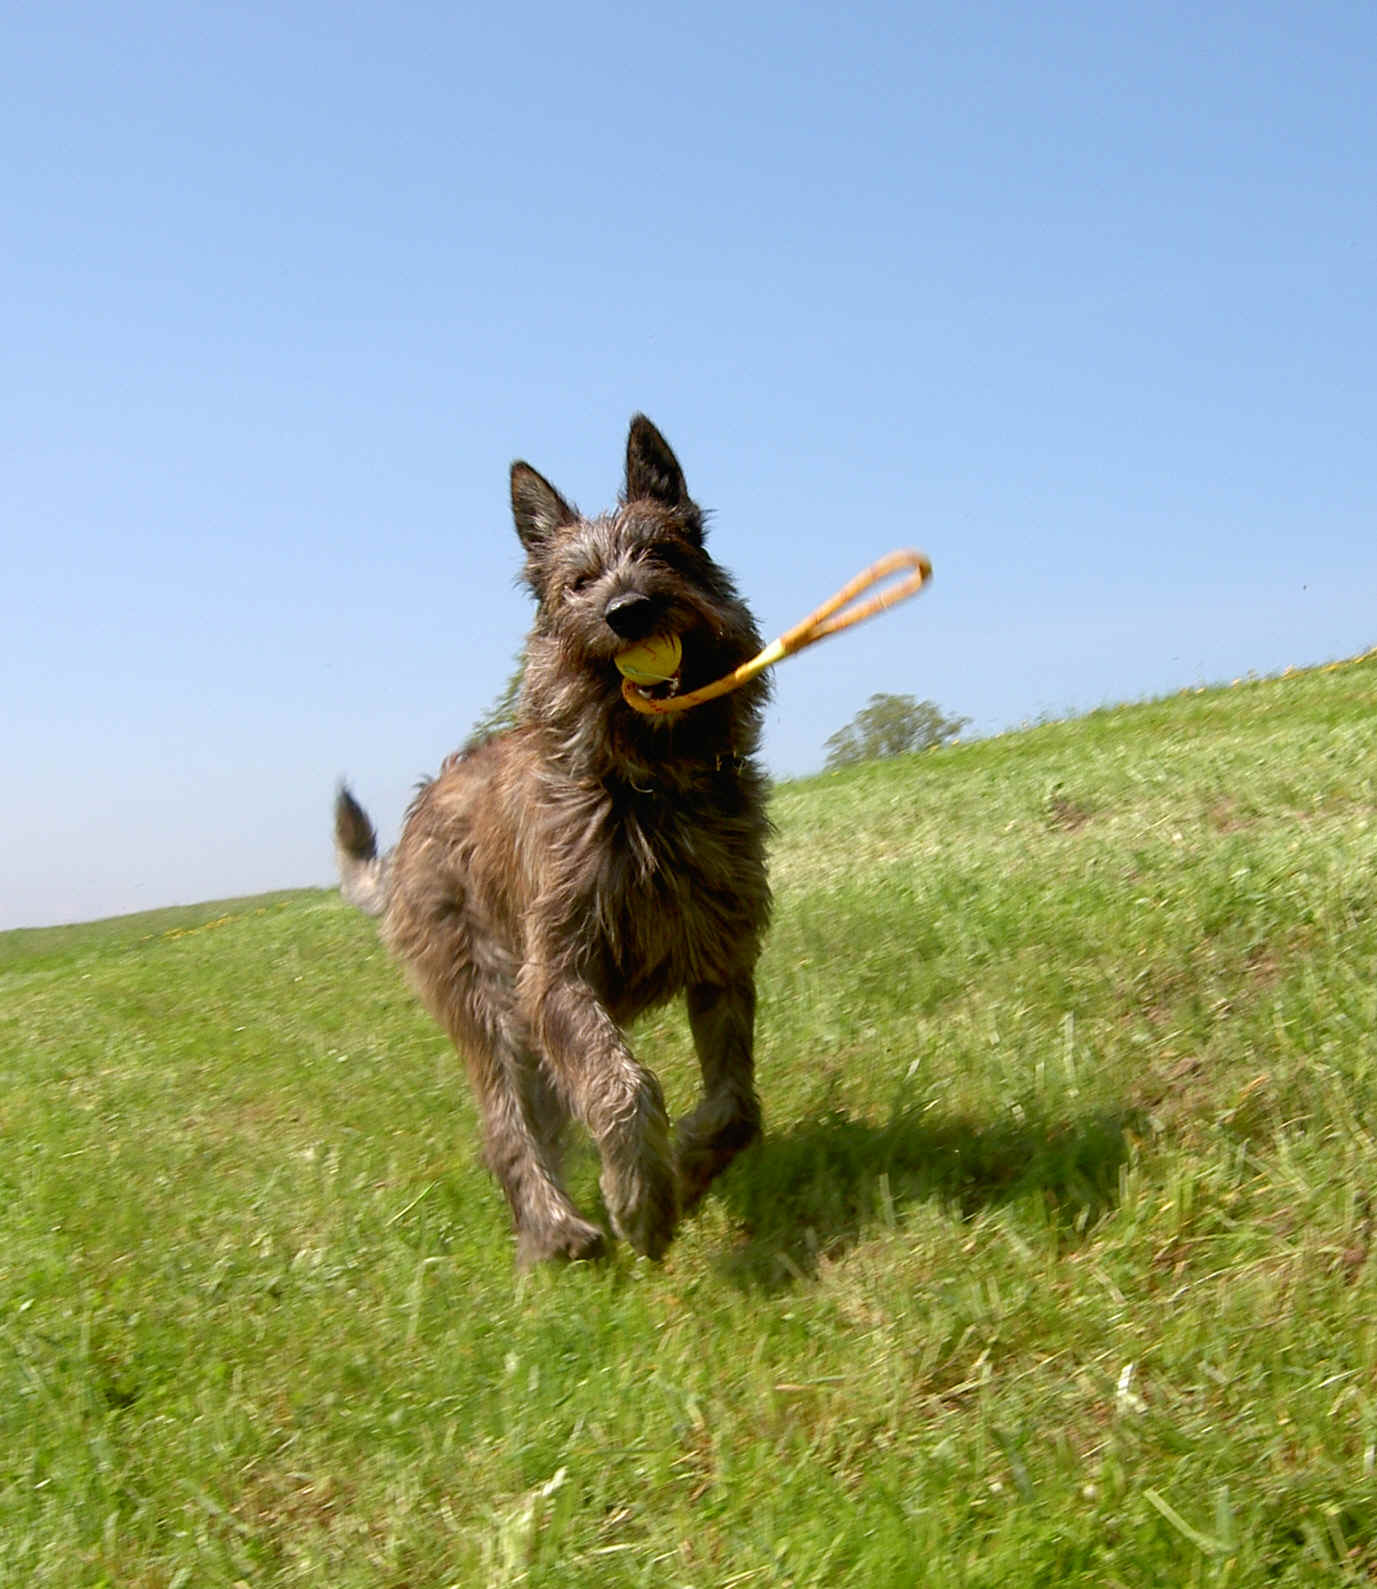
(1056, 1267)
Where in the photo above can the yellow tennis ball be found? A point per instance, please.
(653, 661)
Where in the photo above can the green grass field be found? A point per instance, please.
(1055, 1268)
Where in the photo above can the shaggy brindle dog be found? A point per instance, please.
(558, 880)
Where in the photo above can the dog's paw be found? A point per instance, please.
(570, 1241)
(702, 1150)
(644, 1208)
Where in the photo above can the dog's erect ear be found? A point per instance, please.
(538, 509)
(652, 471)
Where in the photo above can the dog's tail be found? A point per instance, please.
(362, 871)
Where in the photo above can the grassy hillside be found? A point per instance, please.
(1055, 1269)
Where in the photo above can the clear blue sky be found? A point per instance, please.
(1080, 298)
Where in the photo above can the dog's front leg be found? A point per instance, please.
(620, 1103)
(728, 1119)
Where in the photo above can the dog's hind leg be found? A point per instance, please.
(620, 1103)
(523, 1116)
(523, 1122)
(728, 1118)
(466, 978)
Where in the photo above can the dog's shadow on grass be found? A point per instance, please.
(813, 1190)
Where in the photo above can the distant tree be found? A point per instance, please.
(891, 725)
(501, 715)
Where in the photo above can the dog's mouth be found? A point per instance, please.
(653, 666)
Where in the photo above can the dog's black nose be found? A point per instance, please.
(631, 616)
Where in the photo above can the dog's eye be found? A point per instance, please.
(579, 583)
(668, 555)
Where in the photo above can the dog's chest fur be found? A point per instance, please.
(641, 891)
(671, 886)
